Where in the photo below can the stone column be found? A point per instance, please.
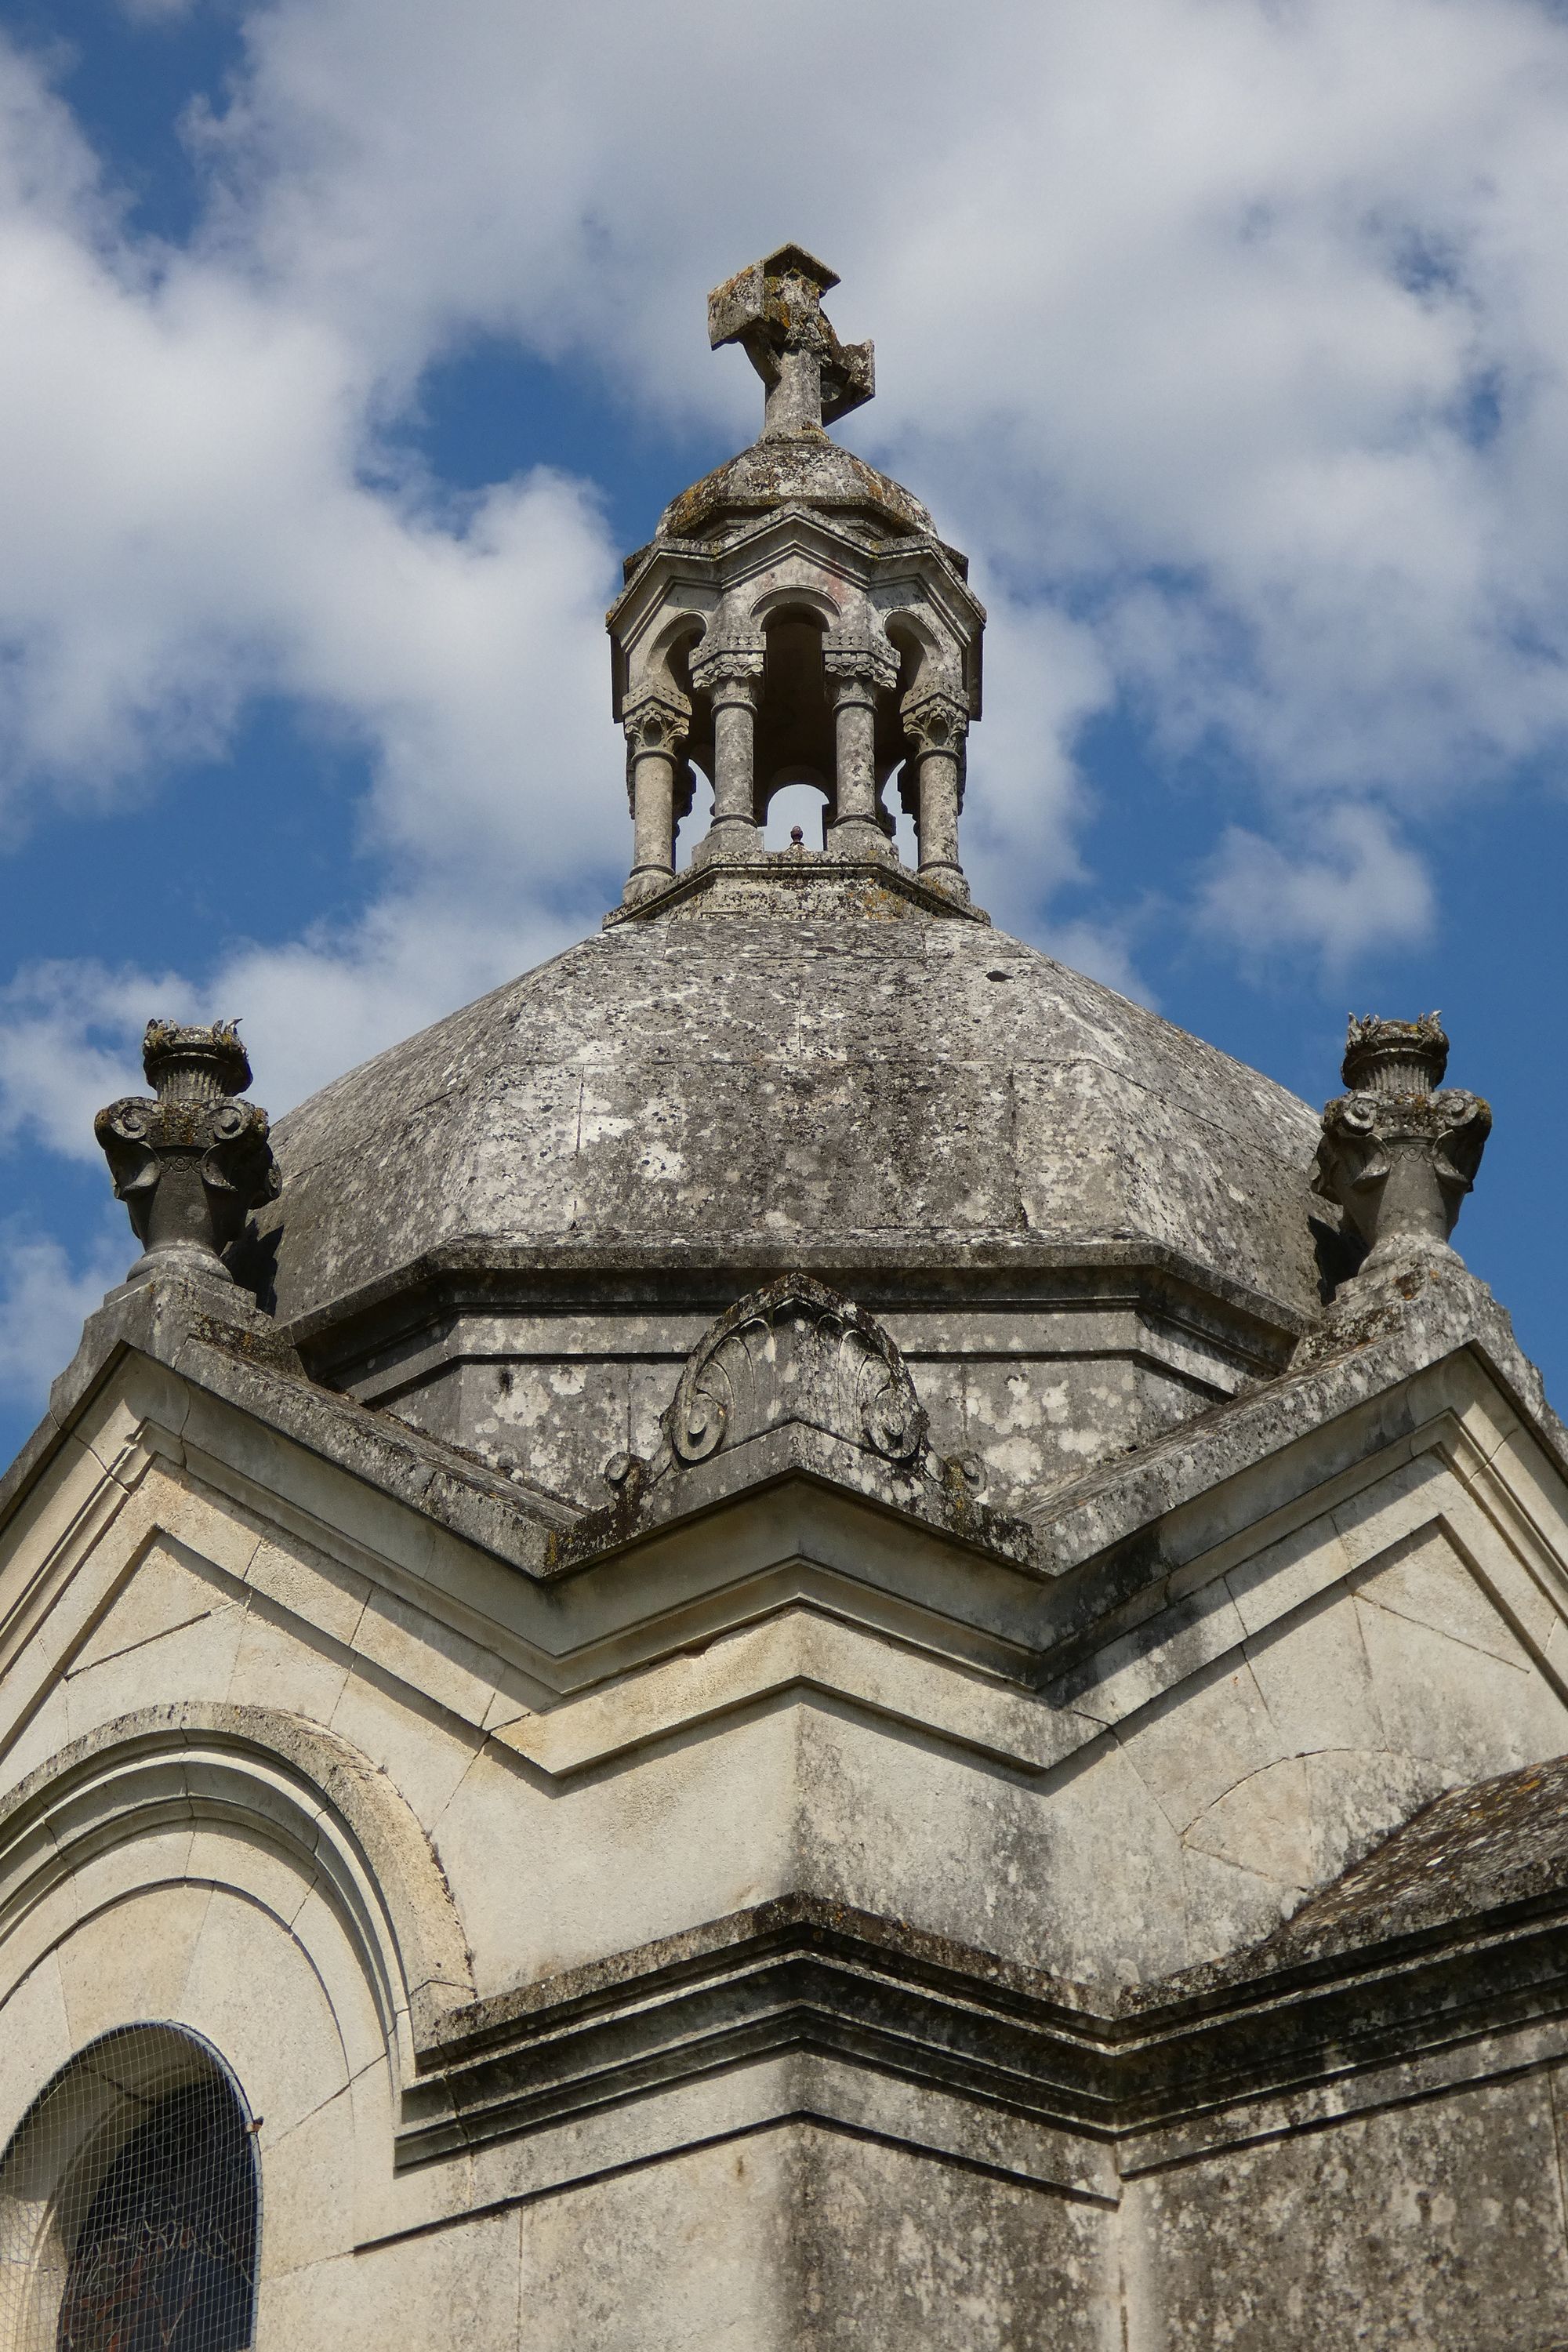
(936, 725)
(858, 670)
(655, 730)
(733, 675)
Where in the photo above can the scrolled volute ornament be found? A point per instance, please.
(1397, 1155)
(191, 1163)
(795, 1351)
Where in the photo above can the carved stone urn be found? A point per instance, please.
(1398, 1154)
(192, 1162)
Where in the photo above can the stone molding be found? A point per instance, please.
(271, 1775)
(855, 658)
(192, 1162)
(810, 884)
(1388, 1998)
(1397, 1155)
(733, 661)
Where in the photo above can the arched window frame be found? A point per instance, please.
(63, 2150)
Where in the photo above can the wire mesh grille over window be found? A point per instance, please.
(129, 2205)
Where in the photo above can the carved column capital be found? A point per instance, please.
(935, 721)
(728, 666)
(730, 669)
(191, 1163)
(1396, 1155)
(656, 726)
(858, 667)
(657, 722)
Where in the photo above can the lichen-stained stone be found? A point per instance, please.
(835, 1661)
(642, 1122)
(916, 2256)
(699, 2250)
(717, 1078)
(1438, 2225)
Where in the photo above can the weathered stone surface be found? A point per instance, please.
(192, 1164)
(1397, 1155)
(1438, 2225)
(835, 1676)
(683, 1097)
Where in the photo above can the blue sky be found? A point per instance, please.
(344, 345)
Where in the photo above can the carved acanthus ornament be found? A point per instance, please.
(935, 721)
(192, 1163)
(795, 1352)
(657, 723)
(1398, 1154)
(855, 658)
(733, 659)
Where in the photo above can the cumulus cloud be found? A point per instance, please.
(44, 1299)
(1244, 322)
(1230, 338)
(1210, 329)
(1347, 880)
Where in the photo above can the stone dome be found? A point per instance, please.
(1081, 1225)
(804, 1085)
(808, 469)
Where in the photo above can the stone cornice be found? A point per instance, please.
(805, 883)
(1292, 2028)
(769, 1525)
(1021, 1269)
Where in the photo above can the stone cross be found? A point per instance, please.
(773, 310)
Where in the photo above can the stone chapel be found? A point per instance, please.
(800, 1636)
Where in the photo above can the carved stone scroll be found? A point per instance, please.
(191, 1164)
(1398, 1156)
(795, 1352)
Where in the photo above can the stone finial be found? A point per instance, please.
(773, 310)
(1397, 1155)
(1394, 1058)
(191, 1164)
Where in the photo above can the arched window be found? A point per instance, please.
(129, 2206)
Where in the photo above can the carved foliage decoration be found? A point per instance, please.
(857, 656)
(730, 660)
(795, 1352)
(192, 1163)
(1398, 1156)
(935, 721)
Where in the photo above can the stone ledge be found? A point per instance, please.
(1244, 2051)
(812, 884)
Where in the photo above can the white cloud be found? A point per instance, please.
(1345, 887)
(1195, 314)
(44, 1301)
(1231, 338)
